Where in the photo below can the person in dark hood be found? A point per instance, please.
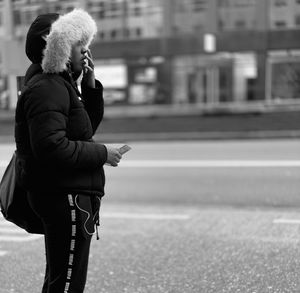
(62, 166)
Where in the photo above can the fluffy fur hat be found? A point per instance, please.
(72, 28)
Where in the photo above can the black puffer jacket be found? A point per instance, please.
(53, 132)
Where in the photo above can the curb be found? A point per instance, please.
(230, 135)
(173, 136)
(181, 110)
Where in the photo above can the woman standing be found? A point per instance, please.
(62, 167)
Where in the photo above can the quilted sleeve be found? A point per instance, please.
(46, 108)
(93, 102)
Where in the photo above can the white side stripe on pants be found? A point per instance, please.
(72, 244)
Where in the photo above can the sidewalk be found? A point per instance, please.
(122, 124)
(182, 110)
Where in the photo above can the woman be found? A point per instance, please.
(62, 167)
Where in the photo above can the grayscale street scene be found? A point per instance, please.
(207, 95)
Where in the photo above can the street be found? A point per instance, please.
(184, 217)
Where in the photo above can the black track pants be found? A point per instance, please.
(68, 223)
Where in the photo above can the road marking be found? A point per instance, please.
(208, 163)
(286, 221)
(141, 216)
(3, 252)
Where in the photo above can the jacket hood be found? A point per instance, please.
(35, 42)
(65, 31)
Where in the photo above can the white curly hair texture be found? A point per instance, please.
(68, 30)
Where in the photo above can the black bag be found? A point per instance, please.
(14, 203)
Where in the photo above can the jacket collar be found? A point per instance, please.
(34, 69)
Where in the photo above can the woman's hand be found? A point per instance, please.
(88, 70)
(113, 156)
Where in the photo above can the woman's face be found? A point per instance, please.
(78, 58)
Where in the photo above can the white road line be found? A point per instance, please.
(286, 221)
(141, 216)
(3, 252)
(208, 163)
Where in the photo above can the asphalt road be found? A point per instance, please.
(183, 217)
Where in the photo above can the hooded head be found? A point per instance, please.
(35, 42)
(64, 32)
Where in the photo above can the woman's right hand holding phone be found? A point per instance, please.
(113, 156)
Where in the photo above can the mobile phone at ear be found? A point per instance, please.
(124, 149)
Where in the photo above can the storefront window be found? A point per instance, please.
(285, 81)
(114, 80)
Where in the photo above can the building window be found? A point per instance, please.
(17, 17)
(280, 3)
(68, 8)
(135, 8)
(244, 3)
(240, 24)
(198, 28)
(138, 32)
(181, 6)
(102, 35)
(126, 33)
(99, 9)
(199, 5)
(223, 3)
(114, 9)
(297, 20)
(280, 24)
(137, 11)
(113, 34)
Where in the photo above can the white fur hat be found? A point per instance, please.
(69, 29)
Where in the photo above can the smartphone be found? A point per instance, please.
(124, 149)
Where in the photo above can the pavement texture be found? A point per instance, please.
(215, 250)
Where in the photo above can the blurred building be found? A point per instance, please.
(204, 52)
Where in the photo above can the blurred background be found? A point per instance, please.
(193, 59)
